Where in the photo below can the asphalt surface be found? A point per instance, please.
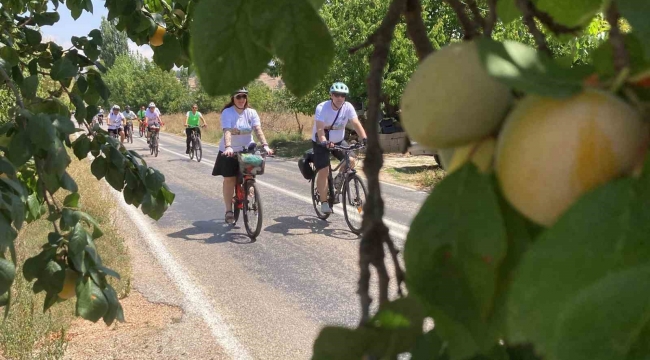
(274, 294)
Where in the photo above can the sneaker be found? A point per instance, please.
(230, 217)
(187, 151)
(325, 208)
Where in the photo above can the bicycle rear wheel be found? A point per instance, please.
(315, 198)
(252, 209)
(191, 154)
(354, 199)
(198, 151)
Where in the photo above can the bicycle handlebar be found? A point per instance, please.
(352, 147)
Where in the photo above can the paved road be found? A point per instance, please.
(271, 296)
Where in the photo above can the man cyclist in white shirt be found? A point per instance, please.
(152, 119)
(329, 129)
(116, 122)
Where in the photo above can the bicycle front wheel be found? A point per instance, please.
(354, 199)
(198, 151)
(155, 146)
(252, 209)
(191, 154)
(141, 132)
(315, 199)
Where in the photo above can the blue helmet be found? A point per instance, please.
(339, 87)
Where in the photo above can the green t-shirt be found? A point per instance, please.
(193, 118)
(141, 114)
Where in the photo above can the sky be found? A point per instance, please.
(67, 27)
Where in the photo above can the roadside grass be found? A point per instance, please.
(424, 177)
(28, 333)
(285, 131)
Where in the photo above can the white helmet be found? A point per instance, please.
(101, 111)
(116, 107)
(151, 104)
(339, 87)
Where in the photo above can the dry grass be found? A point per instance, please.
(29, 333)
(276, 126)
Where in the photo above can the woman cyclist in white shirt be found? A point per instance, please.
(238, 121)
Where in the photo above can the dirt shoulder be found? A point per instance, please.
(157, 324)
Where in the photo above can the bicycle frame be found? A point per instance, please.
(243, 179)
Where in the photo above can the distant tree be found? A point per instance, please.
(114, 42)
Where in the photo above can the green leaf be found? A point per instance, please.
(29, 86)
(636, 13)
(95, 81)
(6, 167)
(115, 177)
(116, 157)
(34, 206)
(33, 67)
(9, 55)
(72, 200)
(81, 146)
(7, 275)
(75, 7)
(99, 167)
(453, 252)
(341, 344)
(298, 36)
(20, 149)
(68, 183)
(41, 131)
(91, 302)
(33, 37)
(612, 222)
(57, 159)
(154, 180)
(52, 277)
(50, 300)
(46, 18)
(166, 54)
(570, 13)
(524, 68)
(63, 69)
(610, 313)
(34, 265)
(222, 50)
(603, 57)
(76, 246)
(428, 346)
(18, 210)
(167, 194)
(114, 307)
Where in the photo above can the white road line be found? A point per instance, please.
(194, 296)
(396, 229)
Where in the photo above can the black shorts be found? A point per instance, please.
(226, 166)
(322, 155)
(115, 131)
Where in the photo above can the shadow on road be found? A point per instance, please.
(291, 226)
(217, 231)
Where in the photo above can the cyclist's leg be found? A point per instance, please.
(121, 132)
(188, 133)
(321, 162)
(340, 156)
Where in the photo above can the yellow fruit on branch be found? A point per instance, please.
(552, 151)
(480, 152)
(451, 100)
(69, 285)
(157, 38)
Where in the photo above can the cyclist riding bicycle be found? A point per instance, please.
(116, 122)
(191, 123)
(141, 116)
(329, 128)
(129, 116)
(100, 117)
(238, 121)
(152, 119)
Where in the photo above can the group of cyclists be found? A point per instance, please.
(239, 121)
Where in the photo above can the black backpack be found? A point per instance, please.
(306, 164)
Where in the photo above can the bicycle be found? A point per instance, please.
(351, 189)
(247, 196)
(195, 145)
(128, 131)
(143, 128)
(153, 145)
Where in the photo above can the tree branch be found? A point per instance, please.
(375, 232)
(621, 56)
(416, 29)
(10, 83)
(525, 6)
(466, 23)
(491, 18)
(548, 21)
(476, 12)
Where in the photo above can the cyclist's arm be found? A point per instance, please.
(260, 135)
(227, 138)
(187, 119)
(202, 119)
(359, 128)
(320, 131)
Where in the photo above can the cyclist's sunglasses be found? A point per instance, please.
(241, 96)
(338, 94)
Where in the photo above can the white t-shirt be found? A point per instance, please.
(325, 113)
(115, 120)
(129, 115)
(241, 126)
(152, 117)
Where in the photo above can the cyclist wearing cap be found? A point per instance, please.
(329, 129)
(129, 116)
(116, 122)
(192, 122)
(238, 121)
(152, 119)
